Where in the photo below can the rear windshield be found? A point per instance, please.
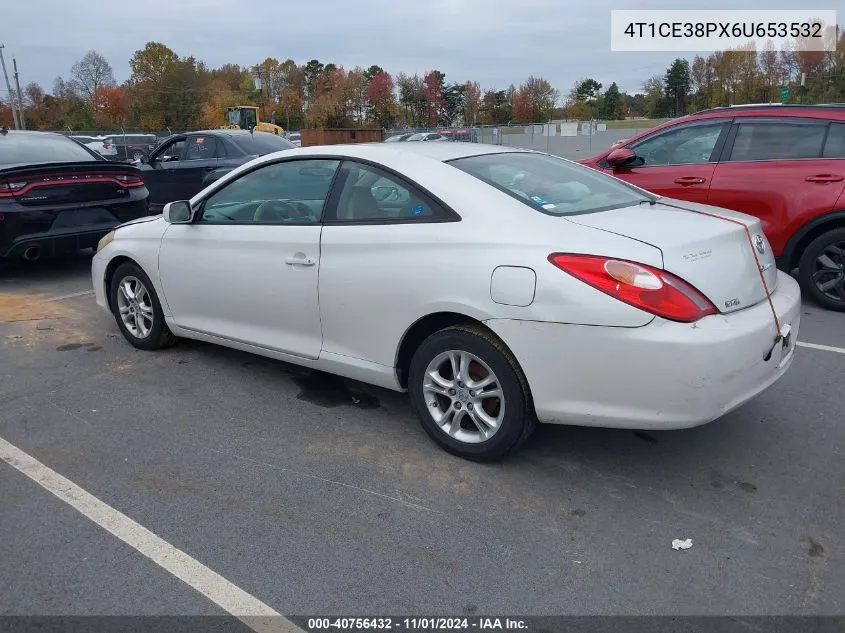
(262, 143)
(41, 148)
(551, 185)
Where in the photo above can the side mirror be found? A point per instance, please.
(177, 212)
(621, 157)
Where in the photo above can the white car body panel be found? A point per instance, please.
(589, 358)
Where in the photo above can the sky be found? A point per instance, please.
(494, 42)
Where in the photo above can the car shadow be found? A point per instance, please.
(47, 270)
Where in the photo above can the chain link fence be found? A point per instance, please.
(568, 139)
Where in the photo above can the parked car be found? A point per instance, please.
(295, 138)
(84, 140)
(498, 286)
(102, 146)
(398, 138)
(427, 136)
(59, 197)
(783, 164)
(132, 146)
(179, 167)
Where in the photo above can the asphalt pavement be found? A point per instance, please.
(317, 495)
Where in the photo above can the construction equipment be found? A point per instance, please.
(246, 118)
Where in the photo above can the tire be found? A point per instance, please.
(148, 336)
(516, 421)
(809, 266)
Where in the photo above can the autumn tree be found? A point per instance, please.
(412, 98)
(472, 102)
(91, 72)
(382, 101)
(435, 104)
(534, 101)
(110, 105)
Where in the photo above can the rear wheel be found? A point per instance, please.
(821, 270)
(470, 394)
(137, 310)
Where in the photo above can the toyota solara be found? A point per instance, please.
(499, 287)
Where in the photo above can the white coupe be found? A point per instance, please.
(499, 287)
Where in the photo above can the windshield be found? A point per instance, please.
(35, 147)
(416, 137)
(552, 185)
(259, 143)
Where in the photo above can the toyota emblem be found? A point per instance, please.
(760, 244)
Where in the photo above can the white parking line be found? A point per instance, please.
(826, 348)
(229, 597)
(70, 296)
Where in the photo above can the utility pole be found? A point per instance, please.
(9, 88)
(20, 96)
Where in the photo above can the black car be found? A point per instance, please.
(59, 197)
(184, 164)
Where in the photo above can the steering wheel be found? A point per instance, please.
(276, 211)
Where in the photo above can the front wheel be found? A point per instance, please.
(137, 310)
(821, 270)
(470, 394)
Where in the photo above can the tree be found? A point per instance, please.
(495, 107)
(454, 97)
(110, 105)
(676, 86)
(435, 104)
(472, 102)
(611, 104)
(382, 101)
(311, 71)
(534, 101)
(412, 98)
(654, 100)
(91, 72)
(372, 71)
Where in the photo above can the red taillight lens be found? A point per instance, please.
(130, 180)
(105, 145)
(644, 287)
(9, 189)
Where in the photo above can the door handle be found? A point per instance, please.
(689, 180)
(825, 178)
(300, 261)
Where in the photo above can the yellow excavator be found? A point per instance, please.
(246, 118)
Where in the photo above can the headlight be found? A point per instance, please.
(105, 240)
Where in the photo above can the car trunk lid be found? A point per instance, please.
(49, 184)
(706, 246)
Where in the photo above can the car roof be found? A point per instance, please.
(445, 151)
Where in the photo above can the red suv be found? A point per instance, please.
(784, 164)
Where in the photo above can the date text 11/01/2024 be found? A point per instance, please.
(416, 624)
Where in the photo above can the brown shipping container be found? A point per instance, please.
(340, 136)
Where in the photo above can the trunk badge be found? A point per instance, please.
(759, 244)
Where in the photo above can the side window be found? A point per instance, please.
(835, 145)
(371, 194)
(686, 145)
(172, 152)
(777, 140)
(201, 148)
(292, 192)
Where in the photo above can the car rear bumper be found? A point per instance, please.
(664, 375)
(16, 240)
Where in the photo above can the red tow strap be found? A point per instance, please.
(757, 261)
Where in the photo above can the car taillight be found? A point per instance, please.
(645, 287)
(7, 190)
(105, 145)
(129, 180)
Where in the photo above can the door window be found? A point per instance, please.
(777, 140)
(201, 148)
(292, 192)
(370, 194)
(684, 146)
(172, 152)
(835, 145)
